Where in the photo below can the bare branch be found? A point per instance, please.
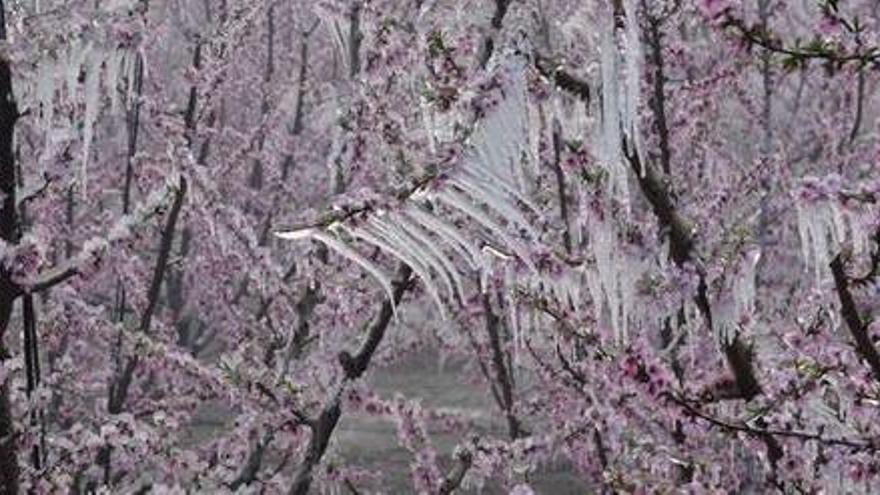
(816, 50)
(33, 192)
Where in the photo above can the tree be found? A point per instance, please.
(650, 229)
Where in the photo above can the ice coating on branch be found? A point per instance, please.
(824, 227)
(489, 187)
(439, 125)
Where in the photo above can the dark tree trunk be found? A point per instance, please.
(9, 291)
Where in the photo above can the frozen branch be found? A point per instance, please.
(562, 78)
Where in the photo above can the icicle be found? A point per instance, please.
(422, 236)
(430, 126)
(45, 92)
(463, 204)
(495, 182)
(330, 21)
(744, 285)
(489, 155)
(536, 124)
(504, 136)
(449, 234)
(396, 227)
(595, 288)
(76, 53)
(822, 229)
(803, 232)
(488, 183)
(813, 238)
(129, 70)
(633, 50)
(350, 254)
(838, 225)
(295, 235)
(134, 63)
(610, 139)
(507, 124)
(510, 291)
(615, 284)
(93, 79)
(860, 230)
(397, 246)
(114, 67)
(369, 233)
(496, 202)
(481, 159)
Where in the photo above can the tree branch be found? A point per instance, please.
(464, 460)
(563, 79)
(658, 97)
(95, 247)
(560, 186)
(324, 425)
(815, 50)
(869, 446)
(355, 366)
(165, 244)
(682, 249)
(251, 468)
(501, 378)
(857, 328)
(488, 47)
(119, 390)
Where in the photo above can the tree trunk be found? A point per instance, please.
(9, 291)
